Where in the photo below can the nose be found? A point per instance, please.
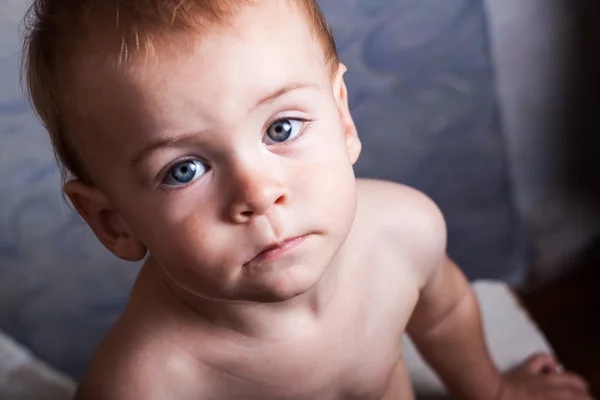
(256, 192)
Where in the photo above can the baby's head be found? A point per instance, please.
(202, 132)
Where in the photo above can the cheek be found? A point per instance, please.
(191, 249)
(174, 230)
(328, 181)
(337, 190)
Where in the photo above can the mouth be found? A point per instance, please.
(277, 250)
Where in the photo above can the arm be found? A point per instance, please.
(446, 328)
(446, 324)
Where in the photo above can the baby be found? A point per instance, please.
(212, 138)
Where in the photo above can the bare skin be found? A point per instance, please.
(272, 272)
(350, 350)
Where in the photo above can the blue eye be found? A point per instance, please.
(283, 130)
(185, 172)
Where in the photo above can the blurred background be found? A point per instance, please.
(488, 106)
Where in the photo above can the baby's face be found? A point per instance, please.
(214, 154)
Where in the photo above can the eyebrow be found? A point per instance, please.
(282, 91)
(154, 146)
(175, 140)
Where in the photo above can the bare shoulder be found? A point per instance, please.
(402, 208)
(130, 364)
(409, 218)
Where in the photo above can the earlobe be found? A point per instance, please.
(354, 148)
(353, 143)
(104, 220)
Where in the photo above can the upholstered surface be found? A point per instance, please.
(24, 377)
(423, 96)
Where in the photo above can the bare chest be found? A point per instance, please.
(353, 357)
(333, 369)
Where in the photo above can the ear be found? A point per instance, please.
(105, 221)
(353, 143)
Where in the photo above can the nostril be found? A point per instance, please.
(280, 200)
(247, 214)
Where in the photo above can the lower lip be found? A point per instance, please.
(279, 251)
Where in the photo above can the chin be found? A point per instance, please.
(283, 288)
(273, 296)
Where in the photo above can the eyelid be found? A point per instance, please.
(305, 121)
(283, 117)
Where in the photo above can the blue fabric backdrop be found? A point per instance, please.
(422, 94)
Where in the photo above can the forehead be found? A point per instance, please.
(265, 46)
(212, 75)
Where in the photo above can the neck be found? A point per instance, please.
(262, 321)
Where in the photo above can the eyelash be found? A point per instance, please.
(305, 122)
